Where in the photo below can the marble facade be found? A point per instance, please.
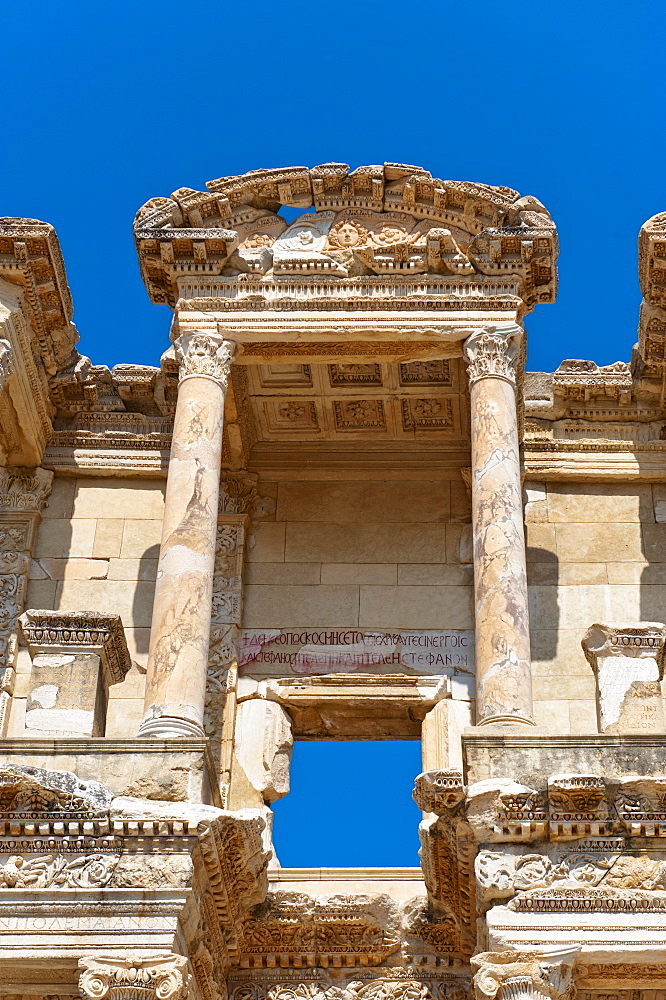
(337, 508)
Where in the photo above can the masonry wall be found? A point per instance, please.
(596, 553)
(97, 550)
(372, 554)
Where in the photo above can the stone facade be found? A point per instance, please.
(338, 508)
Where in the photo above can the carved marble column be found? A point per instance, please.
(503, 677)
(178, 655)
(156, 978)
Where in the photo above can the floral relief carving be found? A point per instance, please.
(151, 872)
(55, 872)
(355, 414)
(204, 354)
(23, 494)
(493, 351)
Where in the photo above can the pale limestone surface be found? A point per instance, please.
(628, 664)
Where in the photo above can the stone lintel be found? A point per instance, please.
(358, 706)
(79, 632)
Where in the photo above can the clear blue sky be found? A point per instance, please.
(109, 104)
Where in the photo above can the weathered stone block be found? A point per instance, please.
(628, 664)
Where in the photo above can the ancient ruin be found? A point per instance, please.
(337, 507)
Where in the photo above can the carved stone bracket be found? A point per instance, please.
(133, 978)
(439, 791)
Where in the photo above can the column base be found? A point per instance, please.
(169, 727)
(507, 720)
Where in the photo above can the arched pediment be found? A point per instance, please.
(378, 219)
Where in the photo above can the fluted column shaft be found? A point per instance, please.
(178, 656)
(503, 672)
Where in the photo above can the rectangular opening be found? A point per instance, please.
(350, 805)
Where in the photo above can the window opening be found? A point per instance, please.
(350, 805)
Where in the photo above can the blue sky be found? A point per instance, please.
(109, 104)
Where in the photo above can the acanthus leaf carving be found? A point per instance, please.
(159, 978)
(24, 490)
(205, 354)
(27, 791)
(546, 975)
(493, 351)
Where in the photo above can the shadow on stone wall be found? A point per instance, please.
(147, 564)
(542, 582)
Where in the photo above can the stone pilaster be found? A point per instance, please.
(23, 494)
(141, 978)
(179, 643)
(503, 678)
(238, 493)
(6, 361)
(78, 655)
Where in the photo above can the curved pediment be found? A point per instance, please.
(382, 220)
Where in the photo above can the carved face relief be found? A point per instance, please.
(347, 234)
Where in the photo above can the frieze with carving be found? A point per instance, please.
(394, 983)
(359, 928)
(90, 871)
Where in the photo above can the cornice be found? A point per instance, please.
(30, 257)
(80, 631)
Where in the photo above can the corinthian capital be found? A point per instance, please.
(205, 354)
(524, 975)
(24, 489)
(133, 978)
(493, 351)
